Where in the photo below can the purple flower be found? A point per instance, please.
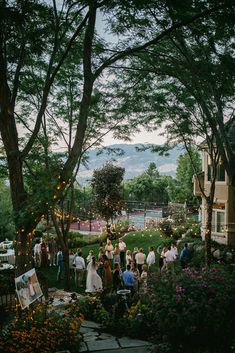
(178, 298)
(179, 289)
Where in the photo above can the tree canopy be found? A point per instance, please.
(107, 191)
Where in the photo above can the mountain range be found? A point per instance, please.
(133, 161)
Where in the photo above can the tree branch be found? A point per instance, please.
(130, 51)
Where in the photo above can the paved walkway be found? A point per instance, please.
(94, 340)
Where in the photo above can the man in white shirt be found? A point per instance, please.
(151, 257)
(140, 258)
(174, 250)
(169, 258)
(79, 263)
(122, 248)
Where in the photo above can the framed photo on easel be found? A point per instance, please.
(28, 288)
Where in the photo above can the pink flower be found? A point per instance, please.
(178, 298)
(179, 289)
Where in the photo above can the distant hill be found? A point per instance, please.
(133, 161)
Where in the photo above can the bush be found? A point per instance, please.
(193, 231)
(92, 309)
(194, 312)
(165, 228)
(121, 227)
(36, 331)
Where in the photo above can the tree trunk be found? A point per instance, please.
(65, 252)
(209, 207)
(62, 235)
(23, 219)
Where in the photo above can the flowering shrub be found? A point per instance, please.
(36, 332)
(193, 231)
(121, 227)
(195, 311)
(165, 228)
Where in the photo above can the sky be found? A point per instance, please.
(141, 137)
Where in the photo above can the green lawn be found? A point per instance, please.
(142, 239)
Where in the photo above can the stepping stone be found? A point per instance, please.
(83, 347)
(91, 333)
(126, 342)
(90, 324)
(105, 336)
(90, 339)
(86, 329)
(102, 345)
(90, 336)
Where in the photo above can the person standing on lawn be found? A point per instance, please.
(184, 256)
(128, 279)
(151, 257)
(79, 263)
(122, 247)
(140, 259)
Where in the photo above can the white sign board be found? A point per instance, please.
(28, 288)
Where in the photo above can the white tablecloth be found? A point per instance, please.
(9, 257)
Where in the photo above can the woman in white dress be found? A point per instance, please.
(109, 250)
(93, 280)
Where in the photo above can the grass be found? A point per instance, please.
(138, 239)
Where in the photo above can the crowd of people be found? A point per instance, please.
(115, 268)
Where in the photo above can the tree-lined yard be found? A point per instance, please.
(62, 80)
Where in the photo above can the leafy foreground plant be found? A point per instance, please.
(193, 311)
(37, 331)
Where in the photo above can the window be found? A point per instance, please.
(218, 221)
(220, 170)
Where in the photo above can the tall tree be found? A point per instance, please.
(106, 186)
(147, 187)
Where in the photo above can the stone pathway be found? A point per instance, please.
(94, 340)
